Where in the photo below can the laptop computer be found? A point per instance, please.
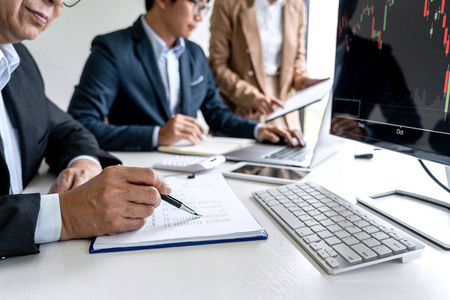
(316, 150)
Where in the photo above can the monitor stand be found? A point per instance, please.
(414, 211)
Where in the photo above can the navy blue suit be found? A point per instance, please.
(44, 132)
(121, 83)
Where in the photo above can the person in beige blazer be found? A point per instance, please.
(237, 58)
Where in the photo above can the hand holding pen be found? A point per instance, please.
(178, 204)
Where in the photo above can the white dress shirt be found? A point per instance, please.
(270, 24)
(48, 227)
(168, 65)
(168, 61)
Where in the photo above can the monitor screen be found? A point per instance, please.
(392, 85)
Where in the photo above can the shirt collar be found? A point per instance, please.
(9, 61)
(158, 44)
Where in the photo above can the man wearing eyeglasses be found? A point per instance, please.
(142, 86)
(83, 202)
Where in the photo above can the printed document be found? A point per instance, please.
(224, 218)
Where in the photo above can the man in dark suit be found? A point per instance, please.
(142, 86)
(87, 203)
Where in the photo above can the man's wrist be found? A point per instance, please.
(255, 131)
(87, 157)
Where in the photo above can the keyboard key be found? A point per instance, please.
(370, 229)
(364, 251)
(303, 231)
(395, 246)
(347, 253)
(322, 254)
(337, 219)
(342, 234)
(317, 228)
(361, 223)
(332, 241)
(315, 246)
(288, 217)
(353, 219)
(311, 223)
(320, 218)
(332, 262)
(334, 228)
(327, 222)
(361, 236)
(325, 234)
(395, 236)
(331, 252)
(380, 236)
(312, 238)
(385, 229)
(345, 224)
(350, 241)
(346, 214)
(408, 244)
(352, 229)
(382, 250)
(371, 242)
(273, 202)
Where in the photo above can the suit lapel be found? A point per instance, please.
(250, 29)
(290, 24)
(185, 84)
(147, 56)
(4, 172)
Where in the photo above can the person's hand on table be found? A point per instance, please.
(273, 134)
(181, 127)
(75, 175)
(117, 200)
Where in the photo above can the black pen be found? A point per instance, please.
(178, 204)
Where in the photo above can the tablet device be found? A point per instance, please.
(266, 173)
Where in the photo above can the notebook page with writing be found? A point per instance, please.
(224, 218)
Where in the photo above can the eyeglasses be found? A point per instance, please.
(71, 3)
(200, 8)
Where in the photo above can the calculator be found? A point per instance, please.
(190, 163)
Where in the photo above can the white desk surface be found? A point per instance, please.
(276, 268)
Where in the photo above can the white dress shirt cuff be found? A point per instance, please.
(255, 131)
(155, 136)
(91, 158)
(48, 227)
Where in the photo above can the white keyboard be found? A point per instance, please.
(339, 235)
(190, 163)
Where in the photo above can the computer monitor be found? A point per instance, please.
(392, 85)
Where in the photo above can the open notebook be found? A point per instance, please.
(224, 218)
(211, 145)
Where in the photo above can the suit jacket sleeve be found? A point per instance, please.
(18, 217)
(93, 98)
(44, 131)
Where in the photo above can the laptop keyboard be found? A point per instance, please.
(339, 235)
(288, 153)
